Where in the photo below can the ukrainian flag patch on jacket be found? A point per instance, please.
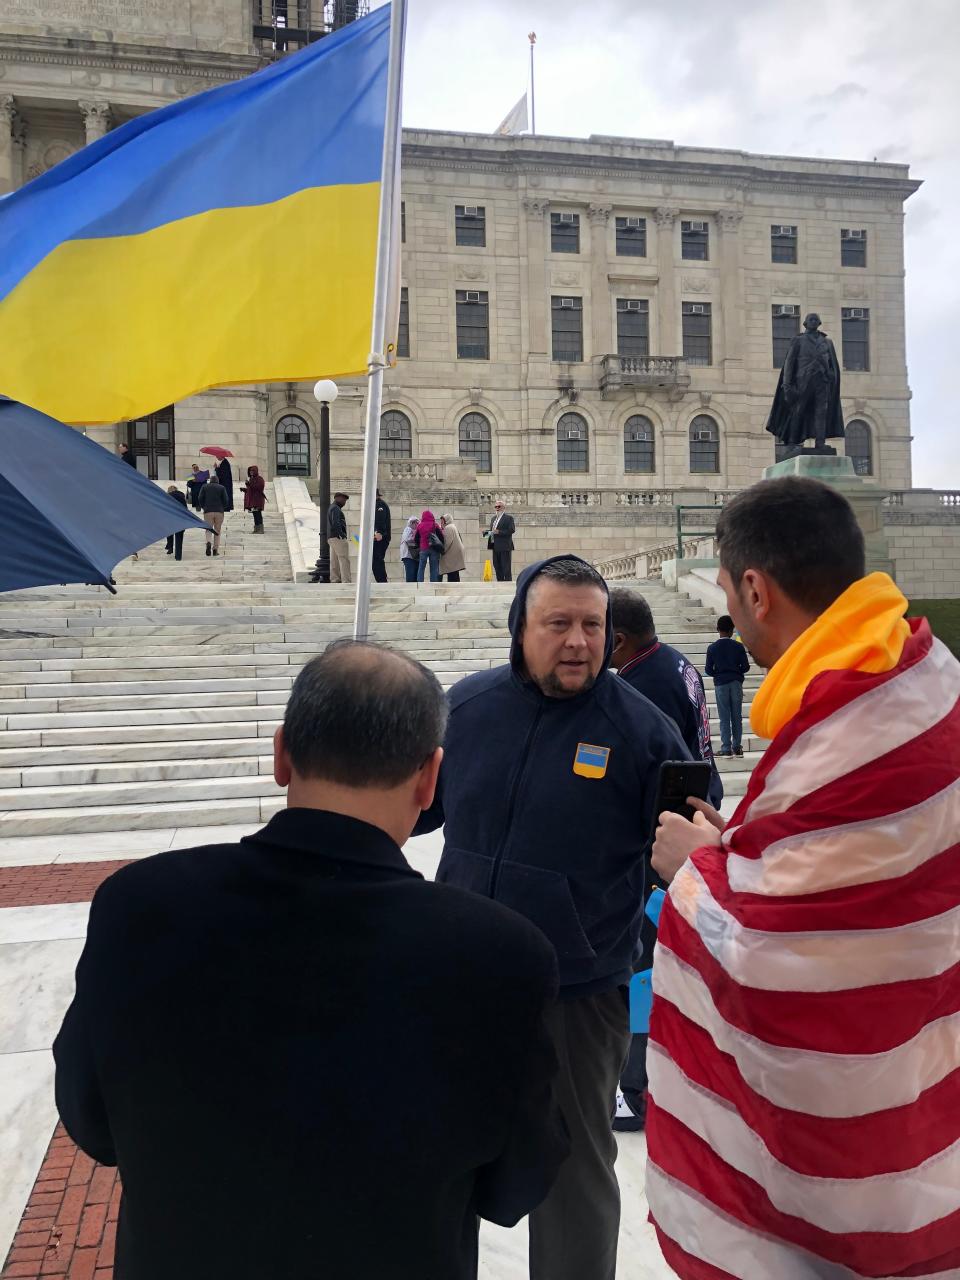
(590, 761)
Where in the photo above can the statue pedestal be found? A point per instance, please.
(866, 499)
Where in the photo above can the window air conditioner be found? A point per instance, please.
(698, 226)
(635, 223)
(471, 210)
(787, 311)
(474, 433)
(473, 295)
(853, 235)
(393, 433)
(854, 313)
(704, 436)
(567, 303)
(638, 435)
(784, 231)
(568, 217)
(634, 304)
(697, 309)
(573, 433)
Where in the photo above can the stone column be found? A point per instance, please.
(96, 119)
(535, 209)
(603, 344)
(669, 341)
(731, 292)
(8, 114)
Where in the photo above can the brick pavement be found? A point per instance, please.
(46, 885)
(69, 1225)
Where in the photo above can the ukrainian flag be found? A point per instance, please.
(227, 239)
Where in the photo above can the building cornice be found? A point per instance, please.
(99, 56)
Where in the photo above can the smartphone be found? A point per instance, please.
(679, 779)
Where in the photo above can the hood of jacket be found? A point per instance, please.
(253, 471)
(519, 607)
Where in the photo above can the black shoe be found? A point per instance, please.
(738, 751)
(215, 551)
(169, 551)
(209, 549)
(726, 755)
(625, 1119)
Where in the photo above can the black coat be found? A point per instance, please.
(502, 537)
(808, 356)
(225, 476)
(336, 521)
(381, 521)
(308, 1062)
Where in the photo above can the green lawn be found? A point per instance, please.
(944, 619)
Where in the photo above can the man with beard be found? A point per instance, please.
(547, 794)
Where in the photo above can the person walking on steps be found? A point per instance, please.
(254, 497)
(430, 537)
(409, 550)
(213, 503)
(175, 540)
(453, 561)
(127, 454)
(500, 542)
(381, 538)
(727, 663)
(338, 540)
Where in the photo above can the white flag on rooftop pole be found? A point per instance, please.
(516, 121)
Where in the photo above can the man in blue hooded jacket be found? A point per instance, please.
(547, 793)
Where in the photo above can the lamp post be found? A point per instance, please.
(326, 392)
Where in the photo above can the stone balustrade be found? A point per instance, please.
(617, 372)
(648, 562)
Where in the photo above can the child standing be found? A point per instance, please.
(727, 662)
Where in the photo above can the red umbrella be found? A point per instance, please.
(216, 451)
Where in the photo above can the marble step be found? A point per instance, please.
(181, 716)
(136, 794)
(214, 730)
(197, 813)
(99, 753)
(92, 776)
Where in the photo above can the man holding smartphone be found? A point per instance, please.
(547, 793)
(803, 1112)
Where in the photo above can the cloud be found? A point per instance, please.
(842, 93)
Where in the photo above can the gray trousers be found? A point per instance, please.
(573, 1234)
(339, 560)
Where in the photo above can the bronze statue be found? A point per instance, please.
(807, 403)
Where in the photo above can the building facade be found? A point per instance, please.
(596, 324)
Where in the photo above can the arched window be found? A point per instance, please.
(395, 435)
(475, 441)
(859, 446)
(573, 447)
(704, 445)
(639, 449)
(293, 446)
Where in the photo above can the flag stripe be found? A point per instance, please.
(890, 715)
(721, 1240)
(219, 323)
(845, 1147)
(221, 149)
(793, 1078)
(880, 1203)
(839, 960)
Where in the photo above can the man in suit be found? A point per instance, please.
(500, 541)
(305, 1059)
(381, 538)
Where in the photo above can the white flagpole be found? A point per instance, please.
(388, 195)
(532, 37)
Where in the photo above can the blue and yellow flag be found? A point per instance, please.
(227, 239)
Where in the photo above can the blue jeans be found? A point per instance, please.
(409, 568)
(730, 710)
(433, 557)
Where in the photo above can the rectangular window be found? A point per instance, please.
(695, 241)
(471, 220)
(786, 326)
(853, 248)
(567, 315)
(856, 338)
(697, 333)
(565, 233)
(403, 331)
(783, 243)
(403, 222)
(473, 325)
(633, 327)
(631, 237)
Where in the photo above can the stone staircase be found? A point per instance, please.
(155, 708)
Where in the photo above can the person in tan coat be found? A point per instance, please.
(453, 558)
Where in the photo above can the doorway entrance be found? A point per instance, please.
(151, 441)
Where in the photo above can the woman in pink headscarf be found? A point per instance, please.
(430, 538)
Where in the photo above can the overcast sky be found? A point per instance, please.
(857, 79)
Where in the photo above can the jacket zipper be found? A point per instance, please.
(512, 804)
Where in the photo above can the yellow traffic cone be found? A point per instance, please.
(488, 570)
